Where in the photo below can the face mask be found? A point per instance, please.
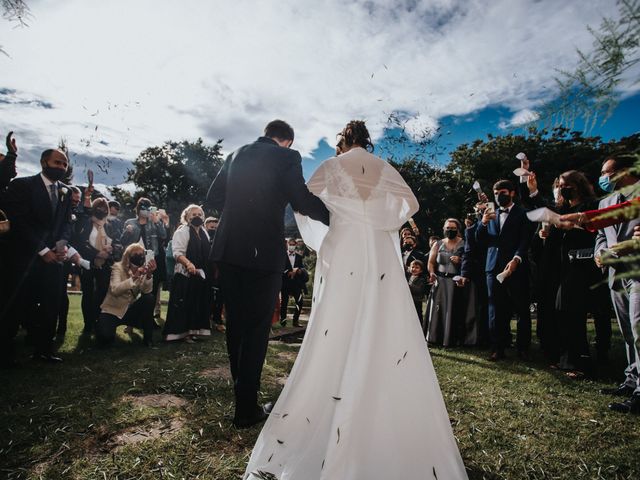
(451, 234)
(53, 174)
(137, 260)
(211, 231)
(503, 199)
(145, 213)
(606, 184)
(407, 246)
(100, 214)
(567, 193)
(291, 249)
(197, 221)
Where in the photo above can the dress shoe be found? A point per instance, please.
(495, 356)
(46, 357)
(621, 390)
(259, 416)
(631, 405)
(283, 322)
(296, 324)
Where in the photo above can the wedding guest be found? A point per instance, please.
(577, 273)
(418, 286)
(114, 219)
(433, 239)
(8, 163)
(149, 228)
(129, 300)
(450, 314)
(410, 252)
(189, 299)
(617, 179)
(39, 208)
(294, 278)
(506, 235)
(211, 224)
(94, 240)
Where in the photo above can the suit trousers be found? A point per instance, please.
(504, 298)
(250, 298)
(296, 293)
(42, 299)
(94, 284)
(138, 315)
(625, 295)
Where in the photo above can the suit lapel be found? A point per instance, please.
(42, 195)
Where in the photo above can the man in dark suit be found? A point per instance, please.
(617, 179)
(506, 237)
(294, 278)
(39, 208)
(252, 190)
(411, 253)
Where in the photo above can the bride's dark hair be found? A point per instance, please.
(356, 133)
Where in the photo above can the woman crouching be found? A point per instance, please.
(131, 278)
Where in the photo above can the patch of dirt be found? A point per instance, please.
(217, 373)
(159, 400)
(288, 356)
(142, 433)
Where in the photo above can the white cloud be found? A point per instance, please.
(147, 71)
(521, 117)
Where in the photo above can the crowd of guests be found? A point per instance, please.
(472, 279)
(53, 230)
(503, 264)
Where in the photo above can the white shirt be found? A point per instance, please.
(292, 259)
(504, 215)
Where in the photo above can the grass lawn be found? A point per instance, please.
(129, 412)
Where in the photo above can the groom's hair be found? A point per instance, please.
(279, 129)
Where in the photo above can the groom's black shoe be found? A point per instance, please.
(619, 391)
(260, 415)
(632, 405)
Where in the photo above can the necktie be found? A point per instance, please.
(53, 196)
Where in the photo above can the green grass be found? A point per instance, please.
(512, 420)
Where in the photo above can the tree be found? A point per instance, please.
(173, 175)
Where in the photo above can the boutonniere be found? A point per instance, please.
(62, 191)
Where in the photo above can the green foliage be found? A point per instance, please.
(173, 175)
(446, 191)
(592, 90)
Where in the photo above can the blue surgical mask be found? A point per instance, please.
(606, 184)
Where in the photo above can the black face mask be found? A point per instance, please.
(197, 221)
(211, 231)
(407, 246)
(137, 260)
(100, 214)
(503, 199)
(567, 193)
(53, 174)
(451, 234)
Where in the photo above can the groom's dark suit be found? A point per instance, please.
(252, 190)
(36, 224)
(502, 245)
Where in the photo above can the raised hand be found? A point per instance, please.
(11, 144)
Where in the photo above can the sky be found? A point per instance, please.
(114, 78)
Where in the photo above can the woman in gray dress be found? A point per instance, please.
(450, 318)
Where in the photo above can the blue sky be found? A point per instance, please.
(114, 78)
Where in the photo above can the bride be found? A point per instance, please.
(362, 400)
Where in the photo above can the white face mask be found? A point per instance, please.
(291, 249)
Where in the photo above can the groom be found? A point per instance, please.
(253, 187)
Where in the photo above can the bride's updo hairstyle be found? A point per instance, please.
(355, 134)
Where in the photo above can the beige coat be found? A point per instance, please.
(123, 290)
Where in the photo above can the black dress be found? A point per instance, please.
(190, 296)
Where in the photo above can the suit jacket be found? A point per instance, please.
(503, 244)
(34, 225)
(82, 233)
(609, 236)
(252, 190)
(123, 291)
(297, 281)
(473, 258)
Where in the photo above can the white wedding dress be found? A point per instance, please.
(362, 401)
